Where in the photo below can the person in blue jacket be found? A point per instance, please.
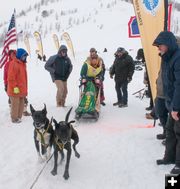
(169, 51)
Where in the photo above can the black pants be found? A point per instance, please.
(121, 90)
(172, 151)
(161, 111)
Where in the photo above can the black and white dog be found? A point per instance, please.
(63, 134)
(43, 133)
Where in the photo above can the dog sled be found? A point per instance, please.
(89, 102)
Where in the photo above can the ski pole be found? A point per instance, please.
(138, 91)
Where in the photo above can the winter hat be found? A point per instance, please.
(166, 38)
(20, 53)
(120, 49)
(62, 47)
(93, 50)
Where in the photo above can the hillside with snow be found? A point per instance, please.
(117, 151)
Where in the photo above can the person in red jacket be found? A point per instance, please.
(12, 54)
(17, 84)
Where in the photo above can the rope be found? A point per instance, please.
(36, 179)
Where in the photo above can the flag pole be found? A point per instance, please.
(16, 27)
(165, 15)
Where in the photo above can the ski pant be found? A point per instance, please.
(102, 98)
(61, 92)
(17, 107)
(122, 92)
(172, 151)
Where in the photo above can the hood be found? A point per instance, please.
(166, 38)
(20, 53)
(62, 47)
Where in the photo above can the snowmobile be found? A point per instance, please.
(89, 102)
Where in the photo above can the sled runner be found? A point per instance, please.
(89, 102)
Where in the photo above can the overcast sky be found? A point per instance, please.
(8, 6)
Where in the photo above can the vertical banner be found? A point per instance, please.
(27, 44)
(56, 41)
(150, 15)
(67, 38)
(39, 50)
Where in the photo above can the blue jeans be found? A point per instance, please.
(122, 93)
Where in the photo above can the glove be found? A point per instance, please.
(129, 79)
(83, 81)
(97, 81)
(16, 90)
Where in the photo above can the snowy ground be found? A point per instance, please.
(118, 151)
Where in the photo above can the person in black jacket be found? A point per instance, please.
(123, 69)
(60, 67)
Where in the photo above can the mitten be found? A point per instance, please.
(16, 90)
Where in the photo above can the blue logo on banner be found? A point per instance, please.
(151, 5)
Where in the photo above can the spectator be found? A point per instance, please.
(140, 56)
(60, 67)
(12, 54)
(123, 69)
(17, 84)
(170, 54)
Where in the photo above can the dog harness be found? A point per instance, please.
(41, 136)
(59, 144)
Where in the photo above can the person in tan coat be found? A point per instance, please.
(17, 84)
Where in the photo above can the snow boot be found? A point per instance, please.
(123, 105)
(149, 116)
(149, 108)
(175, 170)
(161, 136)
(165, 161)
(103, 103)
(116, 104)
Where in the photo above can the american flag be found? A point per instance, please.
(10, 38)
